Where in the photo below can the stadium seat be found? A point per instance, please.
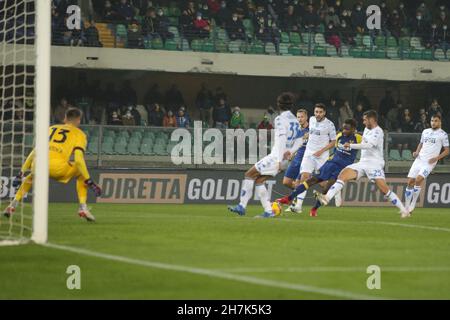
(367, 41)
(295, 50)
(380, 53)
(157, 44)
(284, 49)
(331, 51)
(149, 134)
(174, 11)
(147, 149)
(305, 49)
(121, 140)
(235, 46)
(135, 140)
(222, 34)
(107, 148)
(92, 147)
(121, 31)
(366, 53)
(196, 45)
(285, 37)
(394, 155)
(160, 149)
(270, 48)
(439, 54)
(320, 51)
(415, 54)
(380, 41)
(359, 40)
(133, 148)
(407, 155)
(294, 38)
(257, 48)
(106, 139)
(307, 37)
(416, 43)
(319, 39)
(392, 53)
(185, 45)
(391, 42)
(173, 21)
(171, 45)
(427, 54)
(107, 133)
(345, 51)
(124, 133)
(120, 148)
(221, 46)
(248, 25)
(405, 42)
(355, 52)
(208, 46)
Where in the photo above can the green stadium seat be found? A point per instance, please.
(248, 25)
(439, 54)
(284, 49)
(380, 53)
(359, 40)
(106, 139)
(285, 37)
(307, 37)
(416, 42)
(392, 53)
(157, 44)
(160, 149)
(174, 31)
(222, 34)
(394, 155)
(107, 133)
(404, 42)
(427, 54)
(120, 148)
(149, 134)
(92, 148)
(366, 53)
(295, 50)
(221, 46)
(355, 52)
(171, 45)
(319, 39)
(135, 140)
(345, 51)
(295, 38)
(147, 149)
(208, 46)
(107, 148)
(320, 51)
(133, 148)
(257, 48)
(331, 51)
(407, 155)
(173, 21)
(235, 46)
(391, 42)
(415, 54)
(124, 133)
(305, 48)
(380, 41)
(174, 12)
(121, 31)
(270, 48)
(367, 41)
(121, 140)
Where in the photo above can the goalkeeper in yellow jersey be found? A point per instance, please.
(65, 140)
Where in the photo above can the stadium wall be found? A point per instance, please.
(221, 187)
(246, 64)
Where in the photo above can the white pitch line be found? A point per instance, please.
(410, 226)
(333, 269)
(218, 274)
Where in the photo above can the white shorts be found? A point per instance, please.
(420, 168)
(368, 169)
(269, 166)
(311, 164)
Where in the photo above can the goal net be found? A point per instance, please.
(24, 114)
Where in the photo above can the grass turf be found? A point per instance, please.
(331, 251)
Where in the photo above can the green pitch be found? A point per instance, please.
(205, 252)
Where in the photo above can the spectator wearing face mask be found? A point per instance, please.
(169, 121)
(265, 123)
(135, 40)
(346, 33)
(235, 28)
(419, 27)
(331, 16)
(237, 119)
(262, 31)
(135, 114)
(201, 26)
(150, 25)
(358, 18)
(332, 36)
(163, 26)
(433, 37)
(128, 119)
(426, 13)
(444, 38)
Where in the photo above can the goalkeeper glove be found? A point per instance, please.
(94, 187)
(17, 180)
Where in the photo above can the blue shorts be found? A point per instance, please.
(293, 171)
(329, 171)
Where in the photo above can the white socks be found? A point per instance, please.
(415, 196)
(394, 199)
(246, 192)
(335, 188)
(300, 199)
(408, 197)
(263, 195)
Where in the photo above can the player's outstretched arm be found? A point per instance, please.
(25, 167)
(82, 169)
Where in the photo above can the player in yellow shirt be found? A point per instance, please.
(66, 140)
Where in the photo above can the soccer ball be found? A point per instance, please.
(276, 208)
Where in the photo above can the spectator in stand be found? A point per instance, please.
(358, 17)
(214, 6)
(395, 24)
(60, 111)
(291, 21)
(432, 39)
(163, 26)
(422, 124)
(109, 13)
(331, 16)
(406, 121)
(442, 19)
(237, 119)
(201, 26)
(332, 36)
(241, 7)
(426, 13)
(223, 15)
(275, 35)
(153, 95)
(393, 117)
(435, 108)
(127, 95)
(169, 121)
(346, 33)
(403, 13)
(220, 94)
(221, 115)
(187, 24)
(333, 111)
(111, 97)
(386, 103)
(419, 27)
(204, 10)
(362, 98)
(262, 32)
(182, 118)
(58, 27)
(128, 119)
(305, 102)
(235, 28)
(265, 123)
(156, 116)
(125, 11)
(136, 115)
(358, 116)
(345, 112)
(135, 40)
(174, 98)
(310, 19)
(150, 25)
(114, 120)
(92, 36)
(204, 103)
(444, 38)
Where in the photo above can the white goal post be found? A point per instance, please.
(25, 47)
